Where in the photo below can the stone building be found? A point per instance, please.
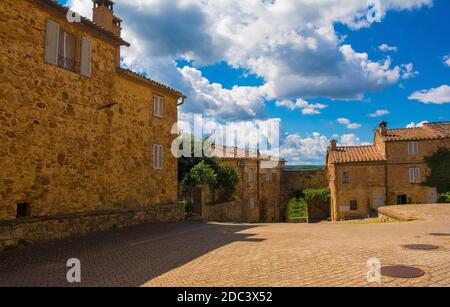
(364, 178)
(79, 134)
(258, 195)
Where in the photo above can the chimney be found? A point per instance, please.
(333, 146)
(103, 16)
(382, 128)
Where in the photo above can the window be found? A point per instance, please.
(413, 148)
(346, 178)
(251, 175)
(158, 106)
(353, 205)
(66, 51)
(23, 210)
(251, 203)
(157, 157)
(61, 50)
(414, 175)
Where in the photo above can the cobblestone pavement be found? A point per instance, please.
(201, 254)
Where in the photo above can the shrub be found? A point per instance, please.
(297, 208)
(445, 198)
(318, 195)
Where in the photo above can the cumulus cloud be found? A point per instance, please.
(346, 122)
(212, 99)
(387, 48)
(306, 107)
(408, 71)
(418, 125)
(312, 149)
(439, 95)
(379, 113)
(291, 45)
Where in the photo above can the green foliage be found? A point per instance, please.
(185, 164)
(297, 208)
(445, 198)
(439, 163)
(200, 174)
(187, 205)
(227, 178)
(318, 195)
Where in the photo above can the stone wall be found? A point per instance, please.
(225, 212)
(29, 230)
(59, 152)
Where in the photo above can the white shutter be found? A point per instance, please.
(155, 156)
(416, 148)
(86, 57)
(161, 157)
(417, 175)
(411, 175)
(161, 107)
(52, 42)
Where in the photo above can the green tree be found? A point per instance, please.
(439, 163)
(200, 174)
(227, 178)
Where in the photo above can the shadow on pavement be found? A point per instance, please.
(126, 257)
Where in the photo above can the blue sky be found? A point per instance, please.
(321, 68)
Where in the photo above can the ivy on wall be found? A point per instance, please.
(439, 164)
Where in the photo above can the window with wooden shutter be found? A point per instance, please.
(414, 175)
(158, 106)
(413, 148)
(158, 157)
(52, 42)
(86, 57)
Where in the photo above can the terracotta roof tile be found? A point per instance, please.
(350, 154)
(429, 131)
(151, 81)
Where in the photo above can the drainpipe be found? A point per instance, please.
(183, 99)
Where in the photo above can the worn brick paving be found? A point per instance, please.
(201, 254)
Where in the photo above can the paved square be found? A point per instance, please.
(210, 254)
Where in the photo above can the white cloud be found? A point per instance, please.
(447, 60)
(408, 71)
(306, 107)
(418, 125)
(212, 99)
(291, 45)
(379, 113)
(346, 122)
(312, 149)
(387, 48)
(439, 95)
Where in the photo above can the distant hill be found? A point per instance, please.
(304, 167)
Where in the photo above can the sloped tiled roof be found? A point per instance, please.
(371, 153)
(429, 131)
(85, 21)
(151, 81)
(237, 153)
